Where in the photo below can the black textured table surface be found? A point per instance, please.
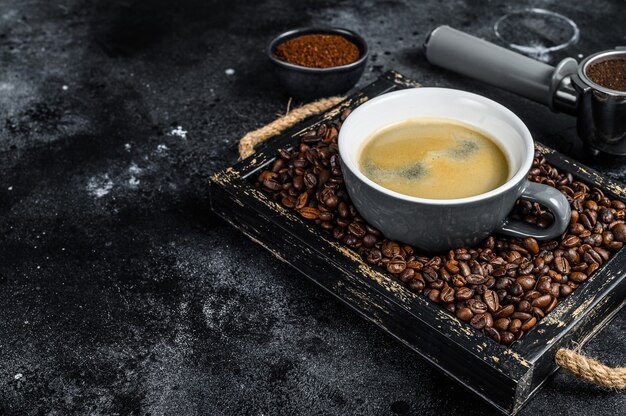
(121, 293)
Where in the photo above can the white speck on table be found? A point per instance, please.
(99, 186)
(179, 131)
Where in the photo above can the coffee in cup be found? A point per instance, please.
(433, 158)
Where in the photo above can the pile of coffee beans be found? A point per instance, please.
(502, 287)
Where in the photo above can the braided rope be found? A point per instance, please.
(590, 369)
(247, 142)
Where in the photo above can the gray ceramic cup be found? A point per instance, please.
(435, 225)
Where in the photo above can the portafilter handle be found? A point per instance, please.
(473, 57)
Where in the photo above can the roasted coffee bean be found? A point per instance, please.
(396, 266)
(458, 280)
(271, 185)
(561, 265)
(543, 284)
(542, 301)
(522, 316)
(464, 314)
(464, 293)
(417, 283)
(437, 284)
(603, 253)
(593, 239)
(516, 289)
(339, 233)
(447, 294)
(284, 154)
(310, 213)
(491, 300)
(551, 305)
(463, 256)
(502, 324)
(515, 325)
(342, 209)
(331, 200)
(310, 181)
(532, 294)
(414, 264)
(476, 279)
(493, 334)
(369, 240)
(476, 306)
(326, 216)
(523, 306)
(531, 245)
(591, 256)
(526, 282)
(302, 200)
(525, 268)
(591, 268)
(576, 229)
(372, 230)
(503, 283)
(331, 135)
(351, 240)
(433, 295)
(577, 277)
(606, 215)
(479, 321)
(570, 241)
(429, 273)
(357, 229)
(327, 225)
(407, 275)
(452, 266)
(504, 311)
(528, 324)
(310, 136)
(288, 201)
(499, 272)
(507, 338)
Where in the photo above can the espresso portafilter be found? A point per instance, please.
(565, 88)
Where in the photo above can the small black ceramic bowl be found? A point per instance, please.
(308, 83)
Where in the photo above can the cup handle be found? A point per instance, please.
(549, 197)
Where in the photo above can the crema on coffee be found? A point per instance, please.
(433, 158)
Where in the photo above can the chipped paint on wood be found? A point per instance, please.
(398, 78)
(544, 150)
(517, 357)
(225, 177)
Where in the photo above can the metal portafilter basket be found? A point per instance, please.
(600, 111)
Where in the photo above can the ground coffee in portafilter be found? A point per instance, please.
(609, 74)
(504, 286)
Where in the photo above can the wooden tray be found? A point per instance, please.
(505, 377)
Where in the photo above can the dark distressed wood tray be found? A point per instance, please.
(505, 377)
